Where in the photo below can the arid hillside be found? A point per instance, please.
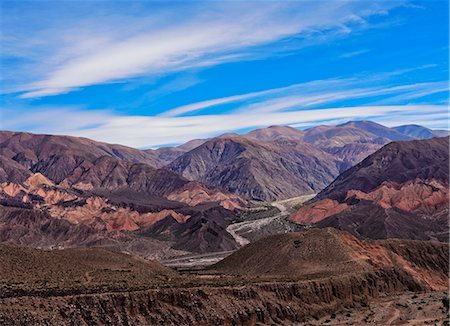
(329, 252)
(281, 279)
(33, 271)
(59, 191)
(280, 162)
(400, 191)
(260, 170)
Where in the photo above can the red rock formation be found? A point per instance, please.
(427, 197)
(318, 211)
(195, 193)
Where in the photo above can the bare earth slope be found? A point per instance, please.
(96, 287)
(259, 170)
(57, 156)
(74, 270)
(68, 191)
(328, 252)
(397, 162)
(401, 191)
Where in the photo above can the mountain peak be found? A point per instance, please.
(274, 132)
(418, 131)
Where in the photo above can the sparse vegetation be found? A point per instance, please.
(445, 303)
(256, 213)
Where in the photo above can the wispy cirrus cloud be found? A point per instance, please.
(158, 50)
(353, 54)
(377, 97)
(377, 89)
(111, 47)
(145, 131)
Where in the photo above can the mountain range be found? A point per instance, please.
(280, 162)
(375, 230)
(61, 191)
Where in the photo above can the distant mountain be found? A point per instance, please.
(441, 133)
(275, 132)
(279, 161)
(192, 144)
(420, 132)
(165, 155)
(33, 150)
(351, 142)
(260, 170)
(400, 191)
(84, 164)
(376, 129)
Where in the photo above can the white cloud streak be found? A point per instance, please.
(207, 34)
(144, 131)
(353, 54)
(310, 94)
(299, 105)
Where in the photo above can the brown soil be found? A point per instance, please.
(328, 252)
(327, 272)
(26, 271)
(405, 309)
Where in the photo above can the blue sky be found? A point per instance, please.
(148, 73)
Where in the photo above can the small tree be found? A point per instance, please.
(445, 303)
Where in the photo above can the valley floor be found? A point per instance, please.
(252, 229)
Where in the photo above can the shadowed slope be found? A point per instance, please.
(401, 191)
(396, 162)
(259, 170)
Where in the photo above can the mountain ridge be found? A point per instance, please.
(400, 191)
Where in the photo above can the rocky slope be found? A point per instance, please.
(401, 191)
(83, 164)
(279, 161)
(258, 170)
(58, 156)
(329, 252)
(38, 213)
(68, 191)
(397, 162)
(116, 289)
